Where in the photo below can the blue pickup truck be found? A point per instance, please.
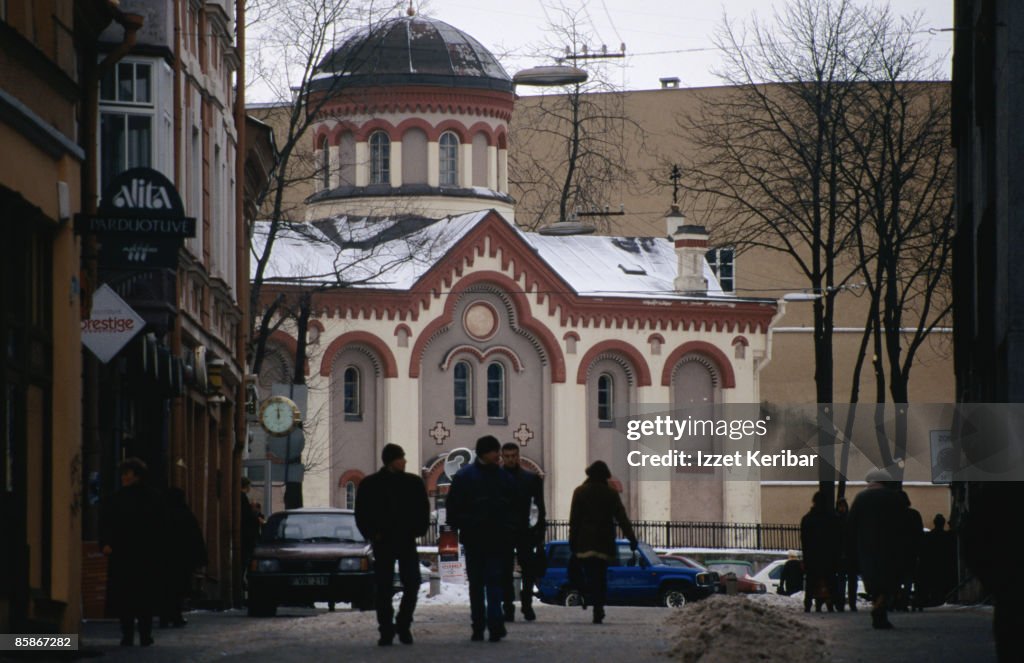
(634, 578)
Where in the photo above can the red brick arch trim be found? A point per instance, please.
(286, 341)
(355, 476)
(716, 356)
(513, 291)
(390, 366)
(501, 136)
(656, 337)
(456, 127)
(483, 355)
(571, 334)
(414, 123)
(486, 130)
(340, 129)
(404, 327)
(740, 340)
(368, 128)
(643, 371)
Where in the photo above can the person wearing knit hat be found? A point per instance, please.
(876, 525)
(480, 506)
(392, 510)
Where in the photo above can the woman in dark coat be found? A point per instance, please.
(185, 552)
(130, 536)
(820, 537)
(595, 510)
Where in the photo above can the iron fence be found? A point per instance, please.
(679, 534)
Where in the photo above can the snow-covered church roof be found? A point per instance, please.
(393, 254)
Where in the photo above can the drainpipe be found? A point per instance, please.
(767, 359)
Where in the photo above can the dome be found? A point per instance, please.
(413, 50)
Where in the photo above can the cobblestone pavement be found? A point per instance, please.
(559, 634)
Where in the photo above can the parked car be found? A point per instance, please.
(740, 570)
(771, 574)
(634, 578)
(309, 555)
(673, 559)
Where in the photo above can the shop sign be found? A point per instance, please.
(112, 324)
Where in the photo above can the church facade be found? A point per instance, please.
(462, 325)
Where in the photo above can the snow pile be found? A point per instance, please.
(734, 629)
(451, 594)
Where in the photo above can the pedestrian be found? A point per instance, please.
(595, 510)
(846, 572)
(392, 510)
(820, 538)
(912, 533)
(480, 506)
(791, 580)
(250, 525)
(876, 524)
(937, 576)
(130, 536)
(184, 551)
(529, 494)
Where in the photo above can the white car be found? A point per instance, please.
(771, 574)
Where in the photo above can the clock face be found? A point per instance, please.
(278, 415)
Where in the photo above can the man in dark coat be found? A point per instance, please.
(131, 532)
(596, 509)
(392, 509)
(820, 538)
(185, 551)
(792, 579)
(937, 572)
(912, 536)
(250, 525)
(877, 523)
(529, 493)
(480, 506)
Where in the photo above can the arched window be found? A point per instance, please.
(449, 149)
(605, 397)
(353, 388)
(380, 158)
(325, 164)
(495, 390)
(350, 495)
(463, 382)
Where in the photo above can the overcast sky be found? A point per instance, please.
(662, 37)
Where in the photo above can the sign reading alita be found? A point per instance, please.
(141, 221)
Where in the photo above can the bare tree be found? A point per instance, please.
(823, 152)
(571, 145)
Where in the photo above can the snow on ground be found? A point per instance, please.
(737, 629)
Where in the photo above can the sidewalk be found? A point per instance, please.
(947, 634)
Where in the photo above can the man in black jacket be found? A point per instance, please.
(529, 492)
(391, 511)
(479, 506)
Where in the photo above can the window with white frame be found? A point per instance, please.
(723, 263)
(449, 159)
(495, 390)
(462, 381)
(350, 494)
(380, 158)
(353, 388)
(127, 116)
(605, 397)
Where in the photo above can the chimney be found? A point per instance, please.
(691, 244)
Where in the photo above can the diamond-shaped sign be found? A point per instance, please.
(112, 324)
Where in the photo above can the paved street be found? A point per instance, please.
(560, 634)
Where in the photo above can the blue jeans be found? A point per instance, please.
(485, 568)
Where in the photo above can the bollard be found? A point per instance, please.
(435, 584)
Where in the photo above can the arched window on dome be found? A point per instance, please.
(463, 387)
(325, 163)
(380, 158)
(449, 154)
(495, 390)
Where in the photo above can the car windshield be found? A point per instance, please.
(648, 552)
(312, 528)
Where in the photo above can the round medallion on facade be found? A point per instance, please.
(480, 321)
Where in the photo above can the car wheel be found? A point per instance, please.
(259, 608)
(673, 597)
(572, 599)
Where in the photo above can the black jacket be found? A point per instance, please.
(821, 539)
(529, 490)
(392, 507)
(481, 506)
(596, 509)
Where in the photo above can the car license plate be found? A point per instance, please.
(309, 581)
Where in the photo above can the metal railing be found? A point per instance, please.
(679, 534)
